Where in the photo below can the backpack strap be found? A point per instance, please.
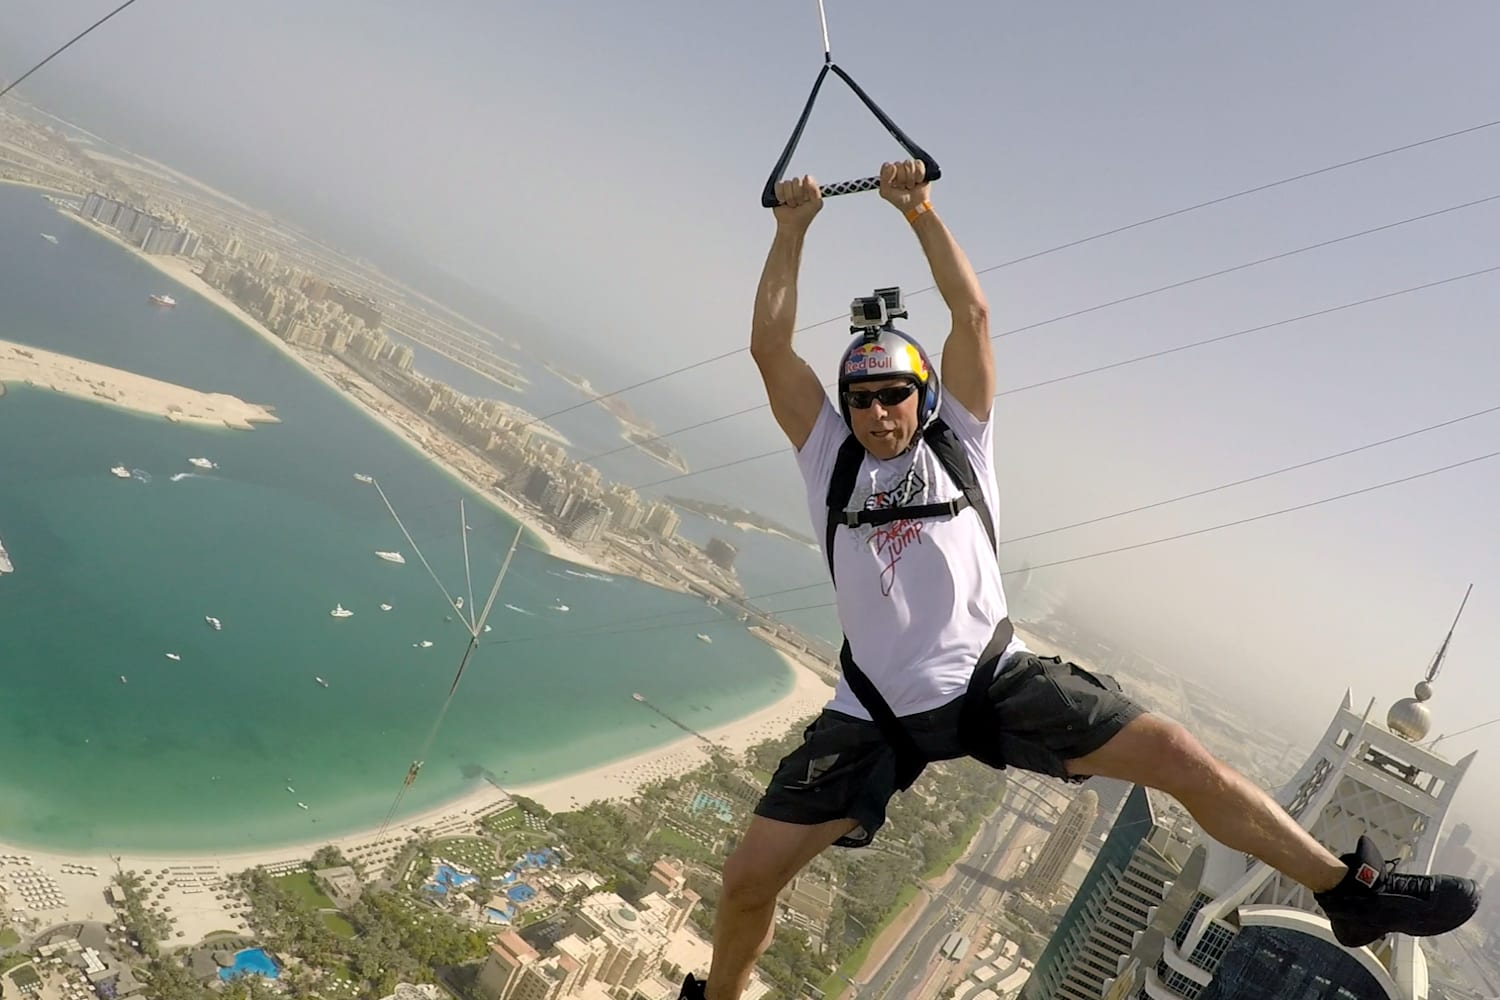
(840, 489)
(945, 445)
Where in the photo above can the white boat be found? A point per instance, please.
(123, 680)
(6, 566)
(459, 603)
(163, 300)
(321, 681)
(559, 607)
(705, 638)
(203, 463)
(214, 623)
(174, 656)
(339, 611)
(364, 478)
(120, 471)
(48, 237)
(487, 628)
(291, 789)
(424, 644)
(394, 557)
(385, 607)
(301, 805)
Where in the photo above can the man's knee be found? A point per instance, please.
(770, 853)
(1158, 753)
(1183, 765)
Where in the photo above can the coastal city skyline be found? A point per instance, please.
(562, 332)
(1217, 415)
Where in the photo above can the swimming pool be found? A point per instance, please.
(448, 876)
(251, 962)
(522, 893)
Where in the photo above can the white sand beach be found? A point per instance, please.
(40, 889)
(87, 380)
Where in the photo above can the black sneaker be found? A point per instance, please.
(1374, 901)
(692, 989)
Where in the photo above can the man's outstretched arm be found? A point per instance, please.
(968, 368)
(795, 393)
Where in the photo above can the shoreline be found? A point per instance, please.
(201, 901)
(424, 440)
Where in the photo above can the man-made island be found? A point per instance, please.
(87, 380)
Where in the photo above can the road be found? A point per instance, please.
(914, 966)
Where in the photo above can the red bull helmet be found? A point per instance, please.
(889, 353)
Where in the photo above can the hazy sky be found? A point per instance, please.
(600, 165)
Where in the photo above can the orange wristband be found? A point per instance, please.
(921, 209)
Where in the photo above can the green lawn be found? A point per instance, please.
(301, 885)
(839, 978)
(338, 925)
(9, 938)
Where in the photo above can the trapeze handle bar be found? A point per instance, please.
(932, 170)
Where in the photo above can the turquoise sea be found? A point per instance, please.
(112, 574)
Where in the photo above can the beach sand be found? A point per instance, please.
(87, 380)
(201, 902)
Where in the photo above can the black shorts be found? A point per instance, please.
(1046, 712)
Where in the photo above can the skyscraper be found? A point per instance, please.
(1251, 933)
(1129, 880)
(1046, 873)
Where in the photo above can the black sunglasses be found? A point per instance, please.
(892, 395)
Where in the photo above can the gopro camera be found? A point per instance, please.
(873, 312)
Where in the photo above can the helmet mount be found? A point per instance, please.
(880, 351)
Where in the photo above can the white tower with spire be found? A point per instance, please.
(1363, 778)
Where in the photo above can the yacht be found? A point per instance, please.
(174, 656)
(291, 789)
(459, 603)
(638, 696)
(705, 638)
(123, 680)
(48, 237)
(339, 611)
(487, 628)
(385, 607)
(394, 557)
(203, 463)
(559, 606)
(364, 478)
(163, 300)
(321, 681)
(424, 644)
(121, 472)
(214, 623)
(6, 566)
(301, 805)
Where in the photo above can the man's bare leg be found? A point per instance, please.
(767, 858)
(1160, 754)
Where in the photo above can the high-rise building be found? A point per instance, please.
(1252, 933)
(1047, 871)
(1129, 880)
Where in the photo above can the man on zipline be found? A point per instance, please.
(931, 667)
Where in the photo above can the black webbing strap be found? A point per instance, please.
(972, 726)
(975, 734)
(932, 173)
(909, 759)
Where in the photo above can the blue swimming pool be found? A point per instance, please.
(251, 962)
(447, 876)
(522, 893)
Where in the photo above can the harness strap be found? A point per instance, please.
(885, 515)
(972, 728)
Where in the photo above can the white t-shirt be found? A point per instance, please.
(918, 599)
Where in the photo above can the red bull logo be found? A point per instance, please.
(875, 360)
